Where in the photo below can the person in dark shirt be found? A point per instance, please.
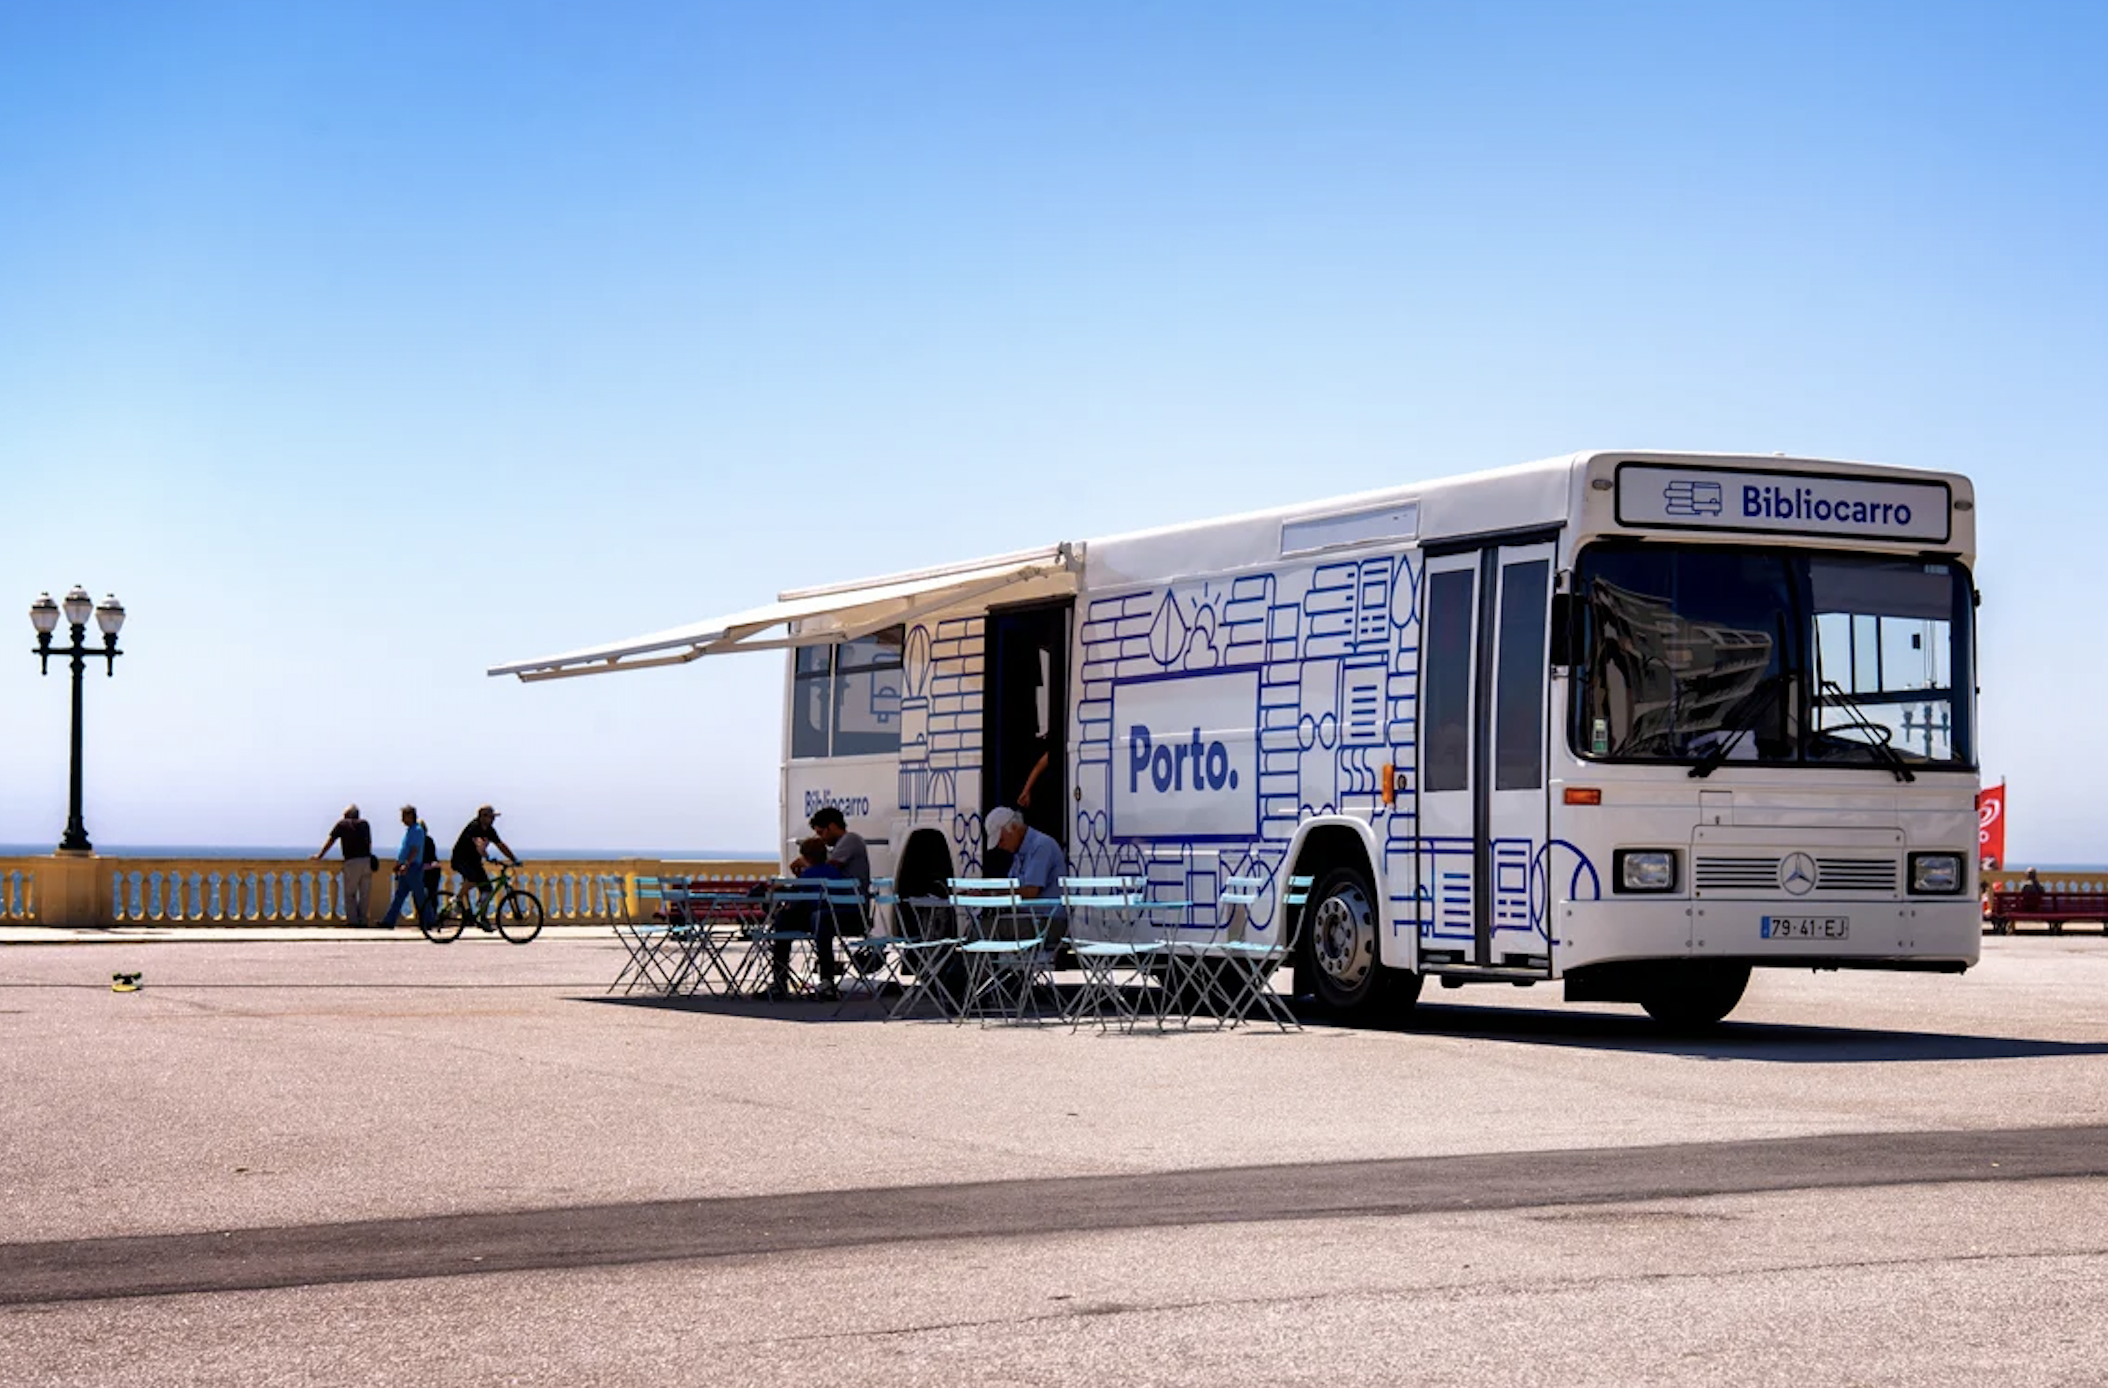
(479, 835)
(845, 847)
(356, 835)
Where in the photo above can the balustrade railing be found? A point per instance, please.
(279, 891)
(2051, 879)
(18, 890)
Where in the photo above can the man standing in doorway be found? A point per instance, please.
(356, 836)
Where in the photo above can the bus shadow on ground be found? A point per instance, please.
(1790, 1043)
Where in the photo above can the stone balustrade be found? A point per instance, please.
(93, 890)
(2052, 881)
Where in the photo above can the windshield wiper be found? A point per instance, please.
(1760, 697)
(1877, 735)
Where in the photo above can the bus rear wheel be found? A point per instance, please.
(1688, 997)
(1339, 954)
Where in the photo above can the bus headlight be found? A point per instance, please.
(1935, 874)
(1645, 869)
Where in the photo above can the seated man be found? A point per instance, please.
(1036, 861)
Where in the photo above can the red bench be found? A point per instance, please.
(2051, 908)
(732, 901)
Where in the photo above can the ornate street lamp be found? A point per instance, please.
(44, 616)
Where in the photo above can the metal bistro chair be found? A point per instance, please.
(1002, 973)
(705, 925)
(926, 942)
(1192, 970)
(1247, 966)
(1102, 913)
(774, 948)
(863, 957)
(647, 941)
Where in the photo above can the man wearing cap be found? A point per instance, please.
(1036, 862)
(467, 860)
(356, 835)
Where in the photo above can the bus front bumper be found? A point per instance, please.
(1807, 933)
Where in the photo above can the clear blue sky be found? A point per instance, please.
(687, 303)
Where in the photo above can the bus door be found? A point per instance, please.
(1482, 738)
(1025, 714)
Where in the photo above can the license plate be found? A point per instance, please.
(1807, 927)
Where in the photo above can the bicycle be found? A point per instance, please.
(515, 912)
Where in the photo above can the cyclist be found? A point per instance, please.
(480, 835)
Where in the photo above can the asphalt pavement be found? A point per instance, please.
(378, 1161)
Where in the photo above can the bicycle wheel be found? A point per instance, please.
(447, 927)
(519, 917)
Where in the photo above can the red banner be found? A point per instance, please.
(1991, 826)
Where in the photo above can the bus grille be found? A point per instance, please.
(1724, 873)
(1855, 874)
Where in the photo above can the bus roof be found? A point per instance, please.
(1574, 488)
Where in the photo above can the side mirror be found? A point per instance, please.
(1563, 642)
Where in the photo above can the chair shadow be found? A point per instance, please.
(805, 1011)
(1788, 1043)
(860, 1008)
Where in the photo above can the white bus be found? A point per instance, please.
(1634, 721)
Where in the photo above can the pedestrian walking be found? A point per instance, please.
(355, 835)
(411, 879)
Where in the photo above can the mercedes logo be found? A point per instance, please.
(1797, 874)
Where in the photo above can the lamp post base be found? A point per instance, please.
(75, 891)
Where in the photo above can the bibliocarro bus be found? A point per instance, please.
(1637, 722)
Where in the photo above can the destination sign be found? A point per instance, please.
(1788, 503)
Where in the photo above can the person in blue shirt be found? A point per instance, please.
(1036, 861)
(410, 878)
(812, 864)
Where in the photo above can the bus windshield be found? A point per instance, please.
(1712, 654)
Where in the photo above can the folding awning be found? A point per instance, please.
(806, 617)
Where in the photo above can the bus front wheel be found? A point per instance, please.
(1690, 996)
(1339, 951)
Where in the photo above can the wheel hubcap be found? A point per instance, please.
(1344, 937)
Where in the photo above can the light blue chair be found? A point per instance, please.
(1103, 914)
(863, 957)
(1004, 971)
(1247, 967)
(647, 940)
(791, 899)
(926, 941)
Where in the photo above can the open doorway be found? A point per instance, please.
(1025, 714)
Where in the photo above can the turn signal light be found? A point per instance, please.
(1583, 795)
